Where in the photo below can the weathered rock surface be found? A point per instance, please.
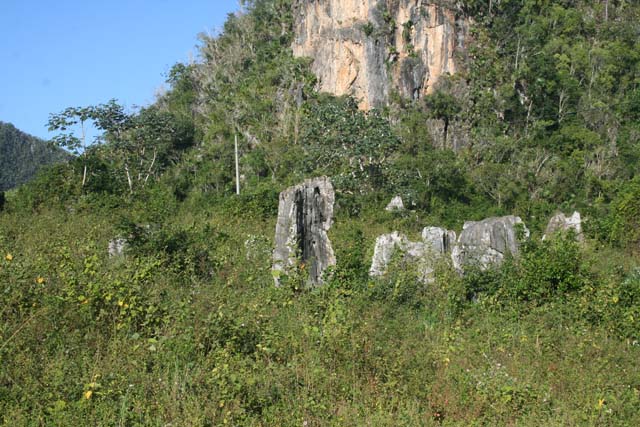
(396, 204)
(305, 213)
(387, 246)
(117, 247)
(486, 243)
(440, 240)
(371, 48)
(436, 242)
(561, 223)
(458, 134)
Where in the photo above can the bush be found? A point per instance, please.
(615, 302)
(624, 217)
(52, 187)
(546, 270)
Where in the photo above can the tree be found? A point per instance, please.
(442, 106)
(110, 117)
(343, 141)
(64, 122)
(141, 144)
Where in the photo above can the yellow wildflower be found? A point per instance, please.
(88, 394)
(600, 403)
(9, 257)
(39, 280)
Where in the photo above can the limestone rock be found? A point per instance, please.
(440, 240)
(436, 242)
(371, 48)
(386, 247)
(117, 247)
(486, 243)
(396, 204)
(561, 223)
(305, 214)
(458, 134)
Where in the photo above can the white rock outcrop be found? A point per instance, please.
(423, 255)
(439, 239)
(486, 243)
(396, 204)
(562, 223)
(117, 247)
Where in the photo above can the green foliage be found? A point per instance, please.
(551, 269)
(368, 28)
(625, 214)
(351, 271)
(234, 347)
(344, 142)
(254, 202)
(555, 77)
(54, 187)
(626, 316)
(442, 106)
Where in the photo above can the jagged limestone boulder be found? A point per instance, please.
(396, 204)
(486, 243)
(305, 214)
(423, 255)
(562, 223)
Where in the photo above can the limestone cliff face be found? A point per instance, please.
(371, 48)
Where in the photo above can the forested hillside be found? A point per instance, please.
(22, 155)
(136, 286)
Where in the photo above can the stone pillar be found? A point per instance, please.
(305, 213)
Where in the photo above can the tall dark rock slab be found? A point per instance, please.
(305, 213)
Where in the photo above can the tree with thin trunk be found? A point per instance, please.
(67, 122)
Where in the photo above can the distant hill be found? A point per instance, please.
(21, 155)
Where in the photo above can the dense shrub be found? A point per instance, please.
(550, 269)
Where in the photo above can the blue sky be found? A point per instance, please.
(60, 53)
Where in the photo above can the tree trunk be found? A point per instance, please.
(84, 154)
(153, 162)
(237, 166)
(129, 181)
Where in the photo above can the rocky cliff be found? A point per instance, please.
(373, 48)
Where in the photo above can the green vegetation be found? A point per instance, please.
(186, 327)
(22, 155)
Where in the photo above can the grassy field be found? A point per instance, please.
(187, 329)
